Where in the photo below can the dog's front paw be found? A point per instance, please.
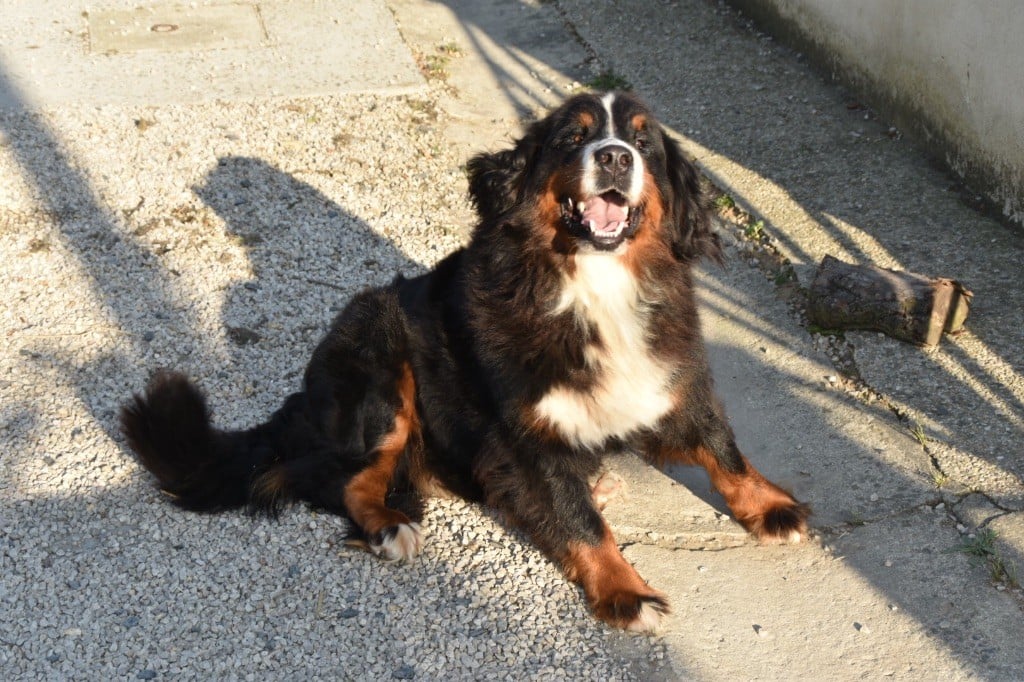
(401, 542)
(615, 591)
(780, 523)
(633, 611)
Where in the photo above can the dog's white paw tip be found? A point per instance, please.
(398, 543)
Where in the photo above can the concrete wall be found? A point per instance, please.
(948, 72)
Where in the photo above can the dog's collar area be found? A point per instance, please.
(605, 219)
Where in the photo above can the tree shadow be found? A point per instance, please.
(94, 239)
(299, 280)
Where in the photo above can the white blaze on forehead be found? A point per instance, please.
(606, 102)
(590, 169)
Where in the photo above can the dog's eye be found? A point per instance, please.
(579, 135)
(640, 141)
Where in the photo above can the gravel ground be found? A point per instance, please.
(220, 239)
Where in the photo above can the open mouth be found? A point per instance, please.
(606, 219)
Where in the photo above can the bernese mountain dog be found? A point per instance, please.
(566, 329)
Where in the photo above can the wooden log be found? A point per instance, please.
(904, 305)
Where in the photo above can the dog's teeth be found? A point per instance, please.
(627, 211)
(581, 206)
(570, 203)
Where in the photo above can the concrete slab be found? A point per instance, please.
(116, 52)
(658, 510)
(175, 28)
(515, 60)
(967, 395)
(891, 601)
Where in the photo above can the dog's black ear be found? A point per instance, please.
(494, 181)
(497, 179)
(692, 236)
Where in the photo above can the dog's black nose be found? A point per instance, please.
(613, 157)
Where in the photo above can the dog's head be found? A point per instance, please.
(598, 173)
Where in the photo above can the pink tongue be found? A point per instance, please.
(603, 215)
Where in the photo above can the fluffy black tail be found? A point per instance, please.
(203, 468)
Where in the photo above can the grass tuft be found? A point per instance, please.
(608, 80)
(982, 549)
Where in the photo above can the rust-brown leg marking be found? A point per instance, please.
(391, 534)
(616, 592)
(763, 508)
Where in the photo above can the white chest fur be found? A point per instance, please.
(633, 387)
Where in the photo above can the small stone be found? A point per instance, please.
(406, 672)
(146, 674)
(243, 336)
(874, 497)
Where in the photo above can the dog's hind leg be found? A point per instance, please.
(390, 534)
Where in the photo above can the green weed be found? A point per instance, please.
(917, 431)
(724, 202)
(982, 549)
(754, 230)
(608, 80)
